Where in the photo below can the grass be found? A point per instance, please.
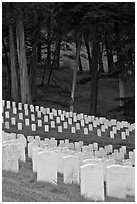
(23, 187)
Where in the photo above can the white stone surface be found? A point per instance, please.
(33, 127)
(7, 126)
(47, 167)
(13, 121)
(35, 152)
(46, 128)
(92, 184)
(115, 181)
(31, 145)
(71, 169)
(10, 157)
(19, 126)
(130, 180)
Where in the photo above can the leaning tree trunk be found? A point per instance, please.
(94, 75)
(80, 65)
(22, 61)
(13, 60)
(78, 45)
(88, 50)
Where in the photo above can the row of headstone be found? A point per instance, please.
(62, 120)
(90, 174)
(88, 171)
(13, 151)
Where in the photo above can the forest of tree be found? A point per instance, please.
(28, 28)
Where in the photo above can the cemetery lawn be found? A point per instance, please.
(23, 187)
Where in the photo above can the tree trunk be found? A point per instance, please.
(39, 52)
(94, 75)
(14, 79)
(88, 50)
(78, 45)
(80, 65)
(101, 68)
(49, 41)
(24, 80)
(109, 55)
(32, 74)
(57, 52)
(8, 67)
(122, 84)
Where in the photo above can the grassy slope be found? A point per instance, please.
(23, 187)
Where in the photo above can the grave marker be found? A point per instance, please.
(92, 184)
(71, 169)
(115, 181)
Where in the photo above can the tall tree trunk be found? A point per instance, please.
(57, 51)
(49, 41)
(101, 68)
(122, 84)
(8, 67)
(13, 60)
(78, 45)
(80, 65)
(109, 55)
(24, 80)
(88, 50)
(94, 75)
(32, 74)
(39, 51)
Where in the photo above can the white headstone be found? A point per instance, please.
(52, 123)
(115, 181)
(7, 114)
(111, 134)
(10, 157)
(77, 126)
(20, 106)
(46, 128)
(130, 180)
(39, 114)
(65, 125)
(85, 131)
(57, 120)
(33, 127)
(70, 121)
(14, 110)
(59, 128)
(35, 152)
(20, 116)
(95, 146)
(31, 145)
(19, 126)
(90, 127)
(39, 123)
(98, 132)
(92, 183)
(46, 118)
(51, 116)
(13, 121)
(73, 130)
(47, 167)
(8, 105)
(71, 169)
